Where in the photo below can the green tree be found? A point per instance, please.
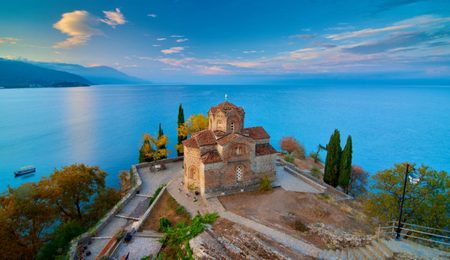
(26, 217)
(71, 189)
(426, 202)
(345, 170)
(181, 137)
(146, 151)
(161, 145)
(332, 162)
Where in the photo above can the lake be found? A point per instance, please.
(103, 125)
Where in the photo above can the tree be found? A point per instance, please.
(71, 189)
(26, 217)
(292, 146)
(161, 143)
(358, 181)
(426, 202)
(345, 170)
(194, 124)
(103, 202)
(332, 161)
(146, 151)
(181, 138)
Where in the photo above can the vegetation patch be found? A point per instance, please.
(176, 237)
(155, 194)
(265, 184)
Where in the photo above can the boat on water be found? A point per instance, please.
(25, 170)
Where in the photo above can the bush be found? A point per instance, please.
(316, 172)
(265, 184)
(315, 156)
(292, 146)
(289, 158)
(180, 210)
(164, 223)
(155, 194)
(300, 226)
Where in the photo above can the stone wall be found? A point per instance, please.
(192, 160)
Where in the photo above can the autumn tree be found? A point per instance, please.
(358, 181)
(71, 189)
(426, 202)
(332, 161)
(146, 151)
(292, 146)
(181, 137)
(345, 167)
(194, 124)
(26, 217)
(161, 143)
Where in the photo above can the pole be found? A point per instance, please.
(401, 204)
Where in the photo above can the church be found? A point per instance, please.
(227, 157)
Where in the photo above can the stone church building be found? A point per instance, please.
(227, 157)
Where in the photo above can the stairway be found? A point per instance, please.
(384, 249)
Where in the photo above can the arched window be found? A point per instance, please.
(232, 126)
(239, 172)
(238, 150)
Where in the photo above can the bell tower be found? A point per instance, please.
(226, 117)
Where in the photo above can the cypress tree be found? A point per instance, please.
(181, 138)
(160, 134)
(346, 165)
(332, 165)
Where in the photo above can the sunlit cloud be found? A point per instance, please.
(152, 15)
(173, 50)
(161, 39)
(212, 70)
(8, 40)
(175, 62)
(176, 36)
(156, 45)
(182, 40)
(113, 18)
(78, 25)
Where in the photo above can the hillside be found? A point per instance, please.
(95, 74)
(18, 74)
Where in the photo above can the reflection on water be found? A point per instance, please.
(103, 125)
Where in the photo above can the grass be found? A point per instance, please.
(155, 194)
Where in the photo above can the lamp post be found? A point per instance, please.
(413, 181)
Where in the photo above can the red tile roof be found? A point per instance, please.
(205, 137)
(264, 149)
(226, 106)
(191, 143)
(227, 138)
(211, 157)
(256, 133)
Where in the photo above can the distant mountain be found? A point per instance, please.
(95, 74)
(22, 74)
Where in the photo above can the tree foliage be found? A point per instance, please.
(332, 161)
(195, 123)
(292, 146)
(358, 181)
(426, 202)
(161, 143)
(345, 167)
(181, 138)
(153, 148)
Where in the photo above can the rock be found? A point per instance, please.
(337, 238)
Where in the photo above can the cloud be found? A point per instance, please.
(152, 15)
(176, 36)
(78, 25)
(418, 22)
(243, 64)
(156, 45)
(161, 39)
(304, 36)
(182, 40)
(212, 70)
(175, 62)
(113, 18)
(173, 50)
(8, 40)
(305, 54)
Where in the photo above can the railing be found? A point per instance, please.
(419, 233)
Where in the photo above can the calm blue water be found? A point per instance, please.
(103, 125)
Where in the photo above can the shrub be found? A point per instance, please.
(155, 194)
(289, 158)
(316, 172)
(292, 146)
(265, 184)
(164, 223)
(180, 210)
(315, 156)
(300, 226)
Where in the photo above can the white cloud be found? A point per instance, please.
(161, 39)
(78, 25)
(305, 54)
(9, 40)
(156, 45)
(212, 70)
(173, 50)
(182, 40)
(175, 62)
(365, 32)
(113, 18)
(152, 15)
(244, 64)
(176, 36)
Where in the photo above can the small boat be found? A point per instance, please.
(25, 170)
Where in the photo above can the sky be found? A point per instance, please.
(234, 40)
